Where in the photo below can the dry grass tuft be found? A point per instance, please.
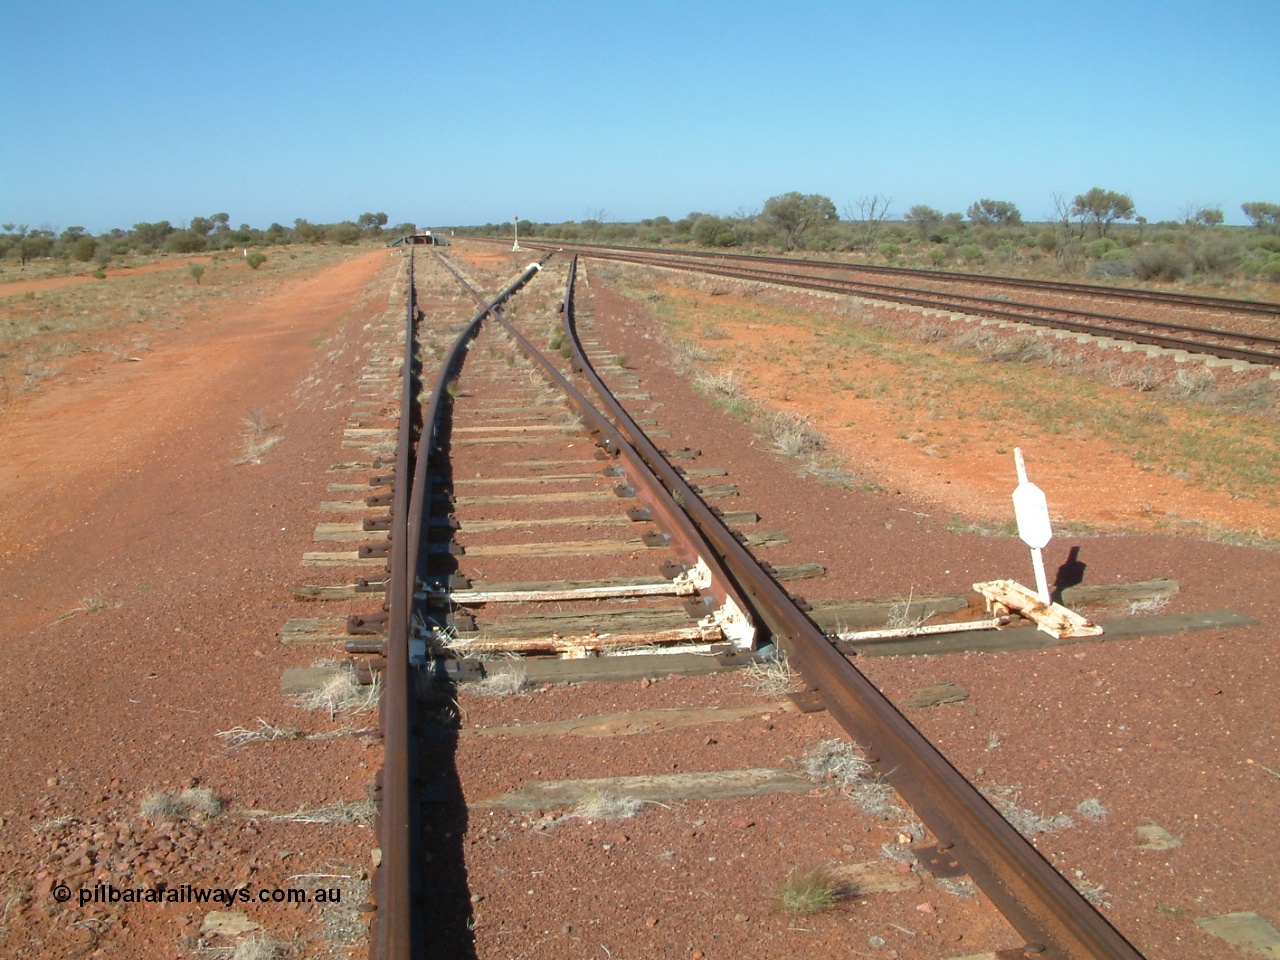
(685, 357)
(343, 692)
(773, 677)
(808, 893)
(598, 805)
(362, 811)
(1095, 893)
(191, 803)
(503, 681)
(259, 436)
(722, 385)
(263, 733)
(1020, 349)
(1149, 605)
(1091, 809)
(792, 436)
(837, 761)
(900, 614)
(258, 947)
(960, 887)
(1144, 380)
(1026, 822)
(1194, 384)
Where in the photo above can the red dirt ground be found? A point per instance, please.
(16, 287)
(143, 577)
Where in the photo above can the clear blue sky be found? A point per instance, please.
(465, 112)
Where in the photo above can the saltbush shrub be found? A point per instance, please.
(187, 241)
(346, 233)
(1217, 255)
(1160, 263)
(84, 248)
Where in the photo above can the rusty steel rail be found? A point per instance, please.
(965, 303)
(1055, 920)
(728, 612)
(1001, 308)
(1186, 300)
(397, 931)
(392, 933)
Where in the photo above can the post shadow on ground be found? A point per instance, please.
(1070, 574)
(442, 900)
(442, 895)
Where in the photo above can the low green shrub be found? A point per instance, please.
(1160, 263)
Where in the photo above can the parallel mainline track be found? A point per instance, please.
(1075, 288)
(744, 605)
(1232, 344)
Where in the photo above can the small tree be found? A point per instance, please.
(152, 234)
(997, 212)
(197, 271)
(83, 248)
(307, 232)
(345, 233)
(1195, 216)
(371, 224)
(925, 218)
(255, 260)
(868, 214)
(1264, 216)
(712, 231)
(36, 244)
(595, 219)
(1102, 208)
(794, 214)
(187, 241)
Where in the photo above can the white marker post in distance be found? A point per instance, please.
(1031, 510)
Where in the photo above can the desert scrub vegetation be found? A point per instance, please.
(1215, 431)
(120, 314)
(1097, 234)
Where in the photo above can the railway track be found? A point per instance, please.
(538, 536)
(1236, 330)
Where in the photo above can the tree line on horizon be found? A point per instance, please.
(24, 244)
(1097, 234)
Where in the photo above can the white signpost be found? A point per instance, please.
(515, 247)
(1031, 510)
